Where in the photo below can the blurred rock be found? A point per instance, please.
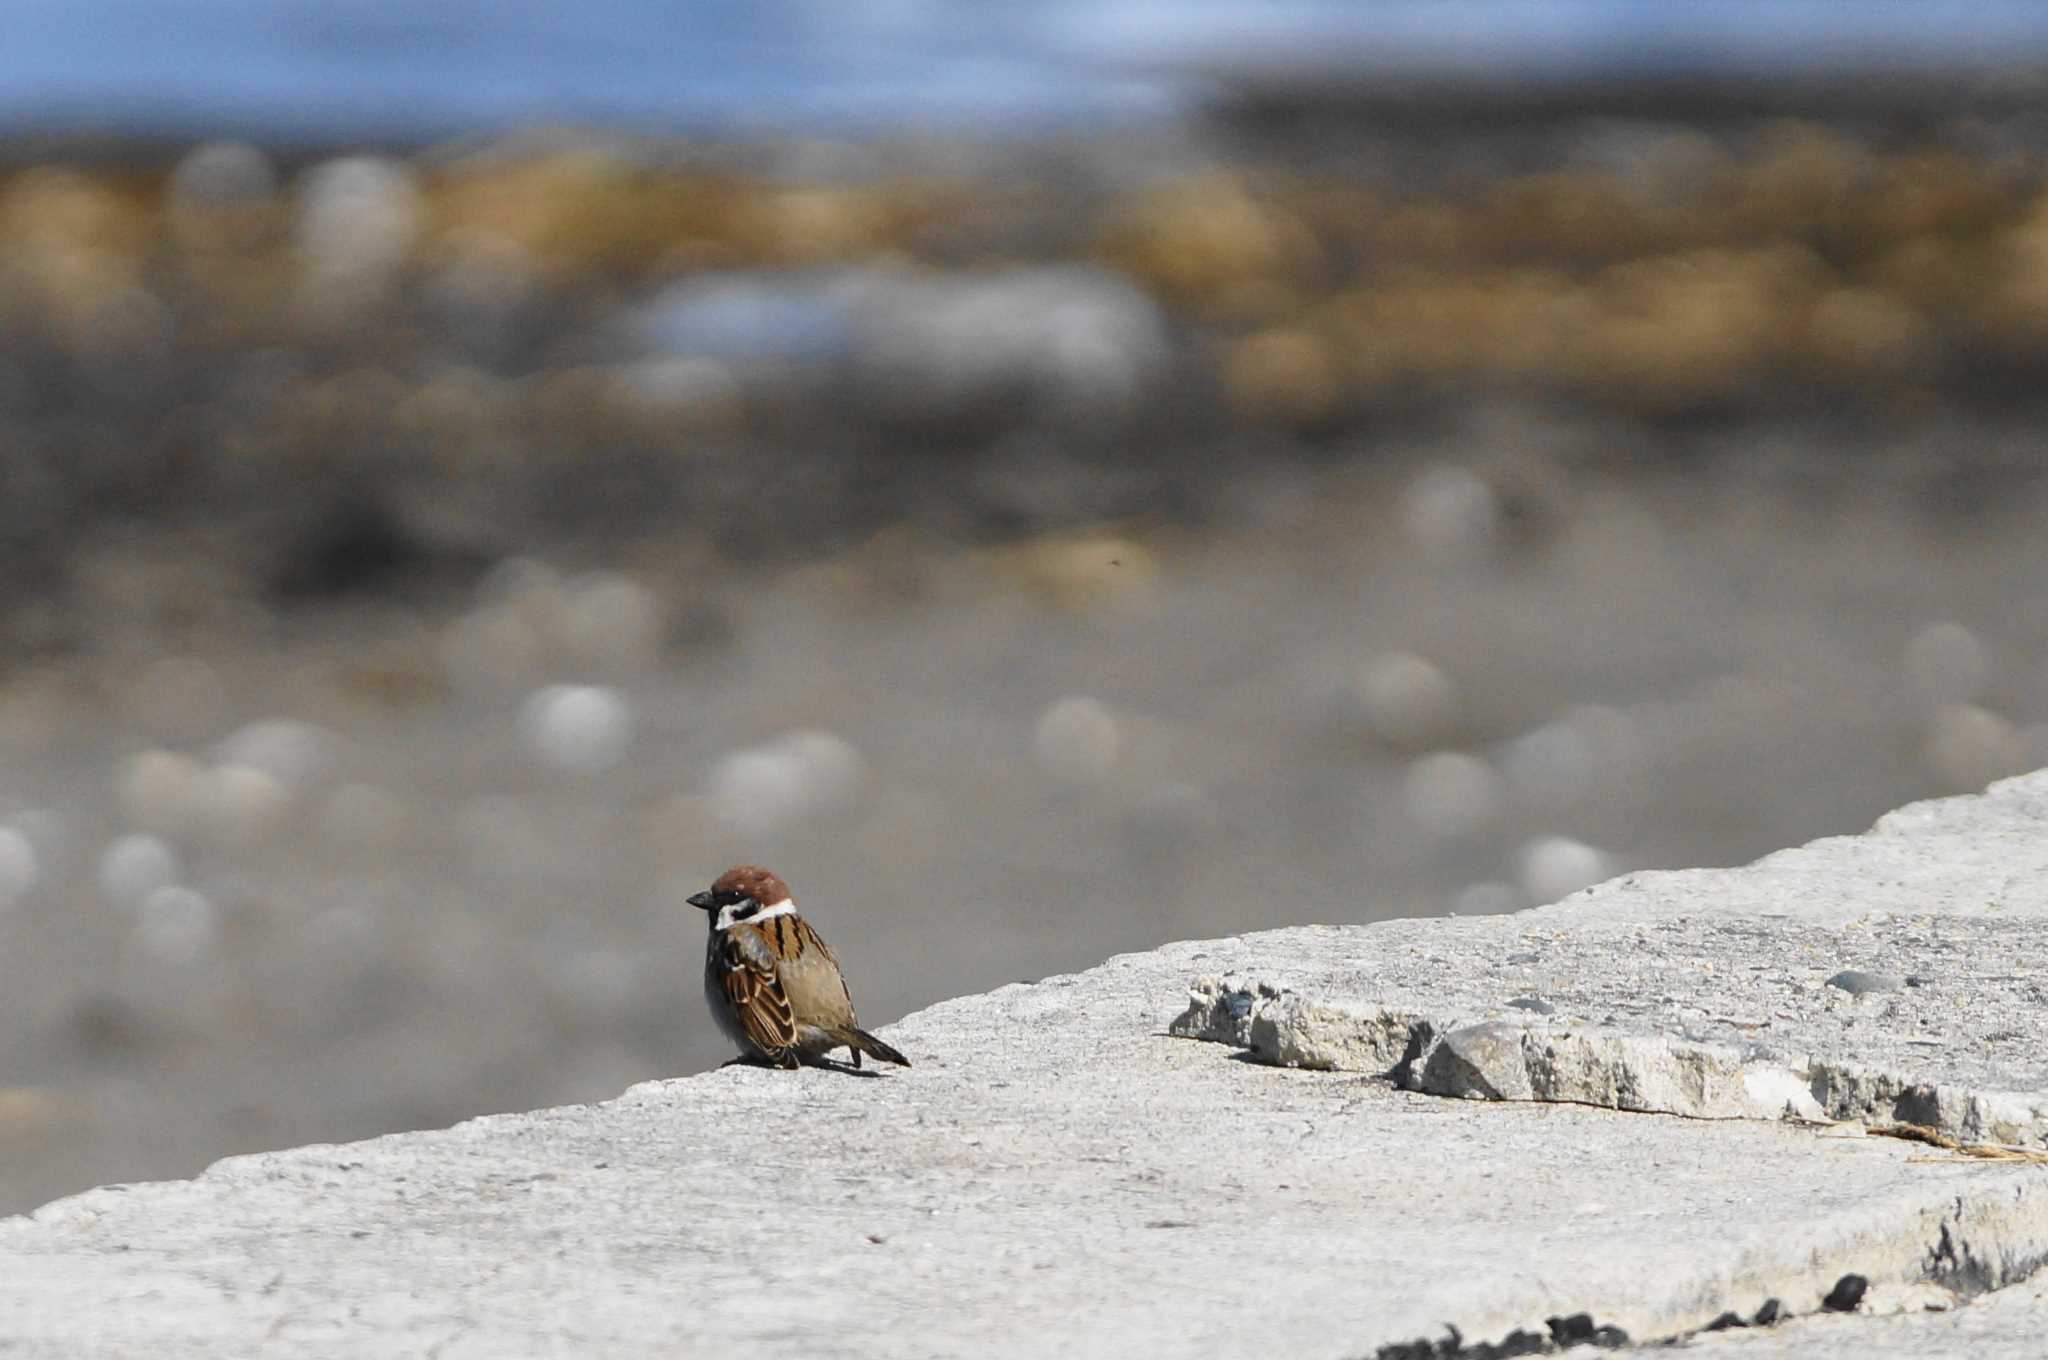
(483, 291)
(1073, 345)
(294, 753)
(690, 393)
(135, 866)
(1077, 740)
(1451, 514)
(1968, 747)
(1552, 765)
(160, 792)
(1557, 866)
(220, 197)
(743, 319)
(245, 805)
(1492, 898)
(1408, 701)
(20, 866)
(358, 219)
(577, 729)
(1947, 663)
(176, 924)
(765, 788)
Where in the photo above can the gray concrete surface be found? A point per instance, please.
(1705, 993)
(2007, 1325)
(1059, 1174)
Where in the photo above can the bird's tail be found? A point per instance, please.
(859, 1041)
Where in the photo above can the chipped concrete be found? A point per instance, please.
(1059, 1174)
(1708, 994)
(2009, 1325)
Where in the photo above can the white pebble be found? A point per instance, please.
(1451, 794)
(1409, 700)
(160, 791)
(1553, 764)
(48, 832)
(294, 753)
(245, 805)
(135, 866)
(1077, 739)
(221, 174)
(357, 216)
(755, 791)
(1557, 866)
(1450, 513)
(20, 866)
(1946, 663)
(176, 924)
(795, 776)
(578, 729)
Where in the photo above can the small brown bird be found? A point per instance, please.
(774, 986)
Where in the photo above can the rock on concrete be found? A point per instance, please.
(1709, 993)
(1059, 1175)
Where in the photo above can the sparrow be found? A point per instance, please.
(773, 984)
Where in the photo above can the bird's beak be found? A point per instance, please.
(701, 901)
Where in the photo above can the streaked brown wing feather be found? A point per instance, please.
(756, 994)
(807, 937)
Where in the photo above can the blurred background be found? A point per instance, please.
(1047, 481)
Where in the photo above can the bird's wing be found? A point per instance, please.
(754, 988)
(809, 938)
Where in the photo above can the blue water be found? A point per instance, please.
(423, 68)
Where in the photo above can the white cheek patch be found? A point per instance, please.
(730, 916)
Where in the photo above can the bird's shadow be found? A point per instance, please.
(827, 1064)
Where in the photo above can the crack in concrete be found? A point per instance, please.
(1979, 1245)
(1524, 1056)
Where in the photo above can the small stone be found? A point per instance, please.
(1847, 1295)
(19, 866)
(176, 924)
(1077, 740)
(1408, 700)
(133, 867)
(1557, 866)
(1525, 957)
(1919, 980)
(578, 729)
(1533, 1003)
(1767, 1314)
(1858, 983)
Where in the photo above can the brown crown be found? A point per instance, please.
(754, 881)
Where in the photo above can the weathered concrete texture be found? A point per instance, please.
(1058, 1175)
(1707, 993)
(2009, 1325)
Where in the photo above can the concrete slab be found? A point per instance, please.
(2008, 1325)
(1059, 1174)
(1889, 977)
